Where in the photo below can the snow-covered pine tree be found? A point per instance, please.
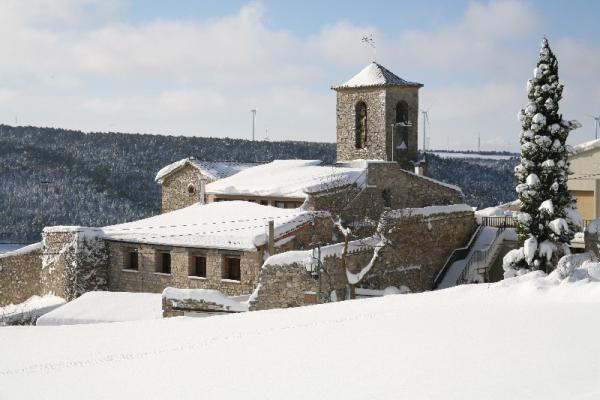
(548, 219)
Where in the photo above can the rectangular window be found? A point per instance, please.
(198, 266)
(132, 260)
(232, 268)
(264, 202)
(280, 204)
(165, 262)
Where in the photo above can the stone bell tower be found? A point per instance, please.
(377, 114)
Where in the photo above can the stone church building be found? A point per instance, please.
(292, 232)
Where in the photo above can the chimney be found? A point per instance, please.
(271, 237)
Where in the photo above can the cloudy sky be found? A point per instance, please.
(197, 67)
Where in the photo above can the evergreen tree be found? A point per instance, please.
(548, 220)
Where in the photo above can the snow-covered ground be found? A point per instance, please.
(533, 340)
(96, 307)
(29, 309)
(443, 154)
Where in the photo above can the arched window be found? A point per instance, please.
(402, 112)
(360, 125)
(191, 189)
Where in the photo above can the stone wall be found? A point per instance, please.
(175, 193)
(74, 261)
(381, 114)
(417, 250)
(20, 275)
(375, 146)
(592, 242)
(388, 187)
(147, 279)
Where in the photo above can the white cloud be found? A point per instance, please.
(75, 63)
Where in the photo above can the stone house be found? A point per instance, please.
(183, 181)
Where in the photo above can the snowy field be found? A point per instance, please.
(443, 154)
(533, 340)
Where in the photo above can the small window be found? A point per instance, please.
(402, 112)
(232, 268)
(360, 125)
(198, 266)
(132, 261)
(386, 195)
(280, 204)
(191, 189)
(165, 263)
(264, 202)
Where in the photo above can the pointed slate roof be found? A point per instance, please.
(374, 75)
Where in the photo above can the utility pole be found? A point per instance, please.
(479, 142)
(253, 111)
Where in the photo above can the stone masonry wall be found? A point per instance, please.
(20, 276)
(375, 147)
(175, 194)
(592, 243)
(381, 114)
(74, 261)
(146, 279)
(418, 249)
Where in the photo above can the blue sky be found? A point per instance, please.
(198, 67)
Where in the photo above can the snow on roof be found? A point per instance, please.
(22, 250)
(206, 295)
(96, 307)
(297, 353)
(580, 148)
(286, 178)
(309, 258)
(213, 170)
(235, 225)
(376, 75)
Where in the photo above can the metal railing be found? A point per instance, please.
(510, 222)
(481, 259)
(457, 254)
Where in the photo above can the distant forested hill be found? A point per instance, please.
(58, 177)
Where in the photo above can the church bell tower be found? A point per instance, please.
(377, 114)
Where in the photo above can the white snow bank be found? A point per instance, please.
(238, 225)
(285, 178)
(23, 250)
(96, 307)
(464, 342)
(31, 308)
(206, 295)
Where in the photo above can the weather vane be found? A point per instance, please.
(369, 41)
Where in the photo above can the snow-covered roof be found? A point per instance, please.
(22, 250)
(97, 307)
(426, 211)
(375, 75)
(234, 225)
(580, 148)
(287, 178)
(213, 170)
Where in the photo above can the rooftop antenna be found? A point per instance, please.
(253, 111)
(425, 123)
(596, 122)
(369, 41)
